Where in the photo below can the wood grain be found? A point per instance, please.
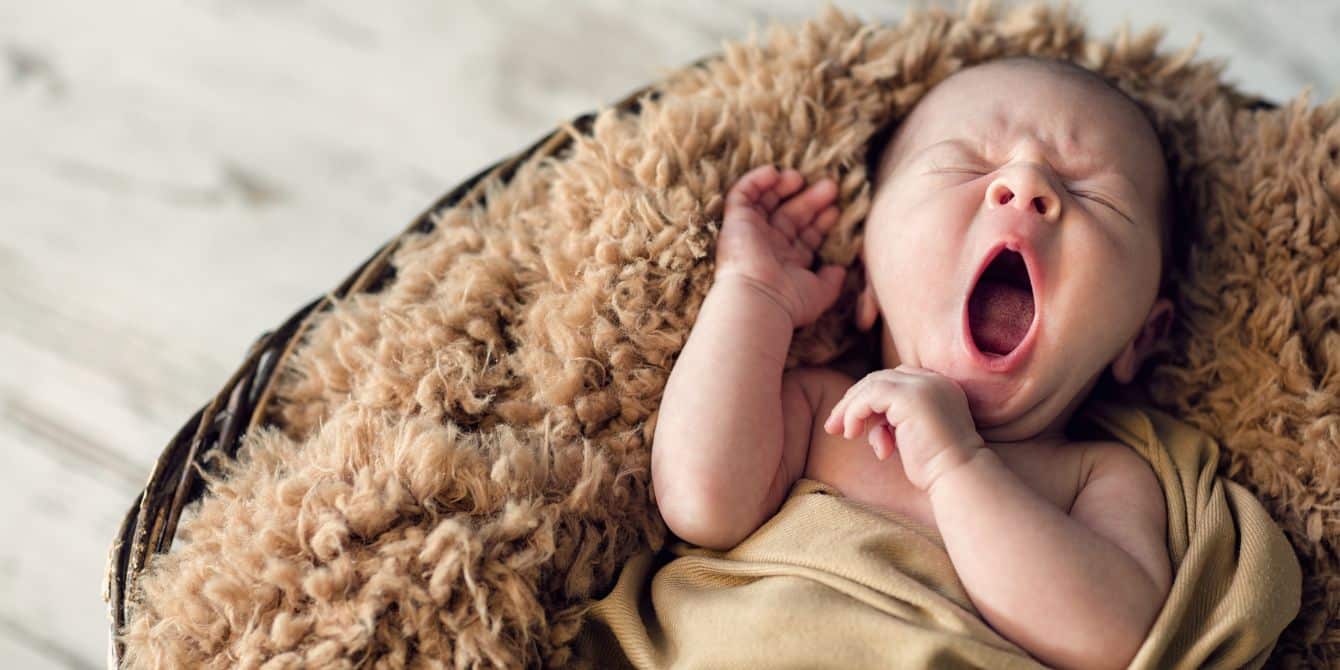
(176, 178)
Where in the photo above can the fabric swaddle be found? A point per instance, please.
(832, 582)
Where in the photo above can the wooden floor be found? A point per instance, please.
(176, 178)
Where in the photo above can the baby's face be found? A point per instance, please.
(1017, 156)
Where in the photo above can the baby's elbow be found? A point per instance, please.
(1115, 649)
(697, 524)
(700, 514)
(1125, 643)
(1117, 652)
(1110, 652)
(1112, 643)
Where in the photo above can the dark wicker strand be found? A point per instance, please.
(150, 524)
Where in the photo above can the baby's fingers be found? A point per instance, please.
(837, 415)
(834, 420)
(881, 439)
(875, 399)
(813, 235)
(853, 422)
(855, 410)
(763, 187)
(799, 210)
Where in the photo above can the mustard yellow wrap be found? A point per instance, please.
(831, 582)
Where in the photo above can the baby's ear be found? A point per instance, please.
(867, 307)
(1152, 334)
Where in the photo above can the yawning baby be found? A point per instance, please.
(1014, 251)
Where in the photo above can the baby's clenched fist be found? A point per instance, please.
(920, 413)
(769, 233)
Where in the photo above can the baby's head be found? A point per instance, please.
(1017, 239)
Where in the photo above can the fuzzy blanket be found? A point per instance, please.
(457, 464)
(829, 582)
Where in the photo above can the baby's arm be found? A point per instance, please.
(717, 453)
(1076, 591)
(728, 414)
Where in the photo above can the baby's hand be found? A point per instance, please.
(768, 237)
(920, 412)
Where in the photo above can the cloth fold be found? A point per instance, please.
(831, 582)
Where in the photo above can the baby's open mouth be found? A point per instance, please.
(1000, 309)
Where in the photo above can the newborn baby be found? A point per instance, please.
(1014, 250)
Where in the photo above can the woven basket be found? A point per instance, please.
(241, 405)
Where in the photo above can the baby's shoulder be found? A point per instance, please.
(1121, 499)
(1115, 476)
(1066, 472)
(1101, 460)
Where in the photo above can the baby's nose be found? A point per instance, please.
(1024, 188)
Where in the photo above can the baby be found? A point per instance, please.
(1014, 250)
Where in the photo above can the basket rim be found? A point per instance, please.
(176, 481)
(150, 523)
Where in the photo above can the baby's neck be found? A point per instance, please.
(867, 356)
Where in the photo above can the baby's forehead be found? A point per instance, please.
(1076, 111)
(990, 95)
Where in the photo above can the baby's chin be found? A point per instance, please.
(1023, 413)
(1006, 410)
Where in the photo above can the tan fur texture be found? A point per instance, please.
(460, 461)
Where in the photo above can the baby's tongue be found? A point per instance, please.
(999, 315)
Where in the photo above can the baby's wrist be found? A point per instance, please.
(964, 460)
(743, 287)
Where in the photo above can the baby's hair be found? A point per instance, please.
(1172, 223)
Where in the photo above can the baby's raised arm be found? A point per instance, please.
(717, 453)
(717, 460)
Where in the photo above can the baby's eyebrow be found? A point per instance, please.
(1068, 164)
(1078, 168)
(953, 143)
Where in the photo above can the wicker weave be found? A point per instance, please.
(241, 405)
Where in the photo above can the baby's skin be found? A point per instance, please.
(1060, 544)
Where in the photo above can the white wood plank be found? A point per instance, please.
(57, 525)
(18, 652)
(176, 178)
(22, 647)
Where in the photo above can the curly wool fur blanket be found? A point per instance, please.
(458, 463)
